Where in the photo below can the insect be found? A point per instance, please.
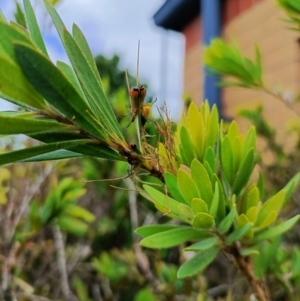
(137, 95)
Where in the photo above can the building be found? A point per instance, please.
(246, 22)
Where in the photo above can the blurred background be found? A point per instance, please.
(114, 28)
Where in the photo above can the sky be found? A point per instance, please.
(115, 27)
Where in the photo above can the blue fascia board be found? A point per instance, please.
(176, 14)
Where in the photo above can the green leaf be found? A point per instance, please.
(277, 230)
(12, 123)
(227, 222)
(272, 204)
(149, 230)
(198, 263)
(210, 158)
(27, 153)
(82, 43)
(9, 35)
(186, 211)
(227, 160)
(196, 129)
(96, 150)
(55, 18)
(92, 88)
(198, 205)
(33, 27)
(222, 198)
(203, 221)
(186, 147)
(244, 172)
(203, 244)
(165, 203)
(55, 155)
(250, 141)
(79, 212)
(212, 129)
(172, 186)
(68, 72)
(19, 15)
(16, 88)
(170, 238)
(215, 201)
(290, 187)
(252, 213)
(202, 181)
(252, 197)
(187, 186)
(238, 234)
(56, 89)
(270, 219)
(243, 220)
(72, 225)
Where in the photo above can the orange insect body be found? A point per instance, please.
(137, 96)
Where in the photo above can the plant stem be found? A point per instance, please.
(244, 264)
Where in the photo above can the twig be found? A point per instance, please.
(62, 264)
(244, 265)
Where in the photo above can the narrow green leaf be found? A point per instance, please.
(252, 197)
(215, 201)
(68, 72)
(290, 187)
(27, 153)
(243, 220)
(251, 214)
(196, 129)
(149, 230)
(33, 27)
(198, 263)
(82, 43)
(244, 172)
(187, 186)
(222, 198)
(172, 186)
(203, 244)
(186, 147)
(72, 225)
(202, 181)
(79, 212)
(210, 158)
(212, 129)
(56, 89)
(15, 87)
(227, 160)
(227, 222)
(95, 150)
(9, 35)
(91, 86)
(250, 141)
(238, 234)
(277, 230)
(186, 211)
(19, 15)
(55, 18)
(272, 204)
(261, 185)
(170, 238)
(55, 155)
(11, 124)
(268, 220)
(198, 205)
(203, 221)
(165, 203)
